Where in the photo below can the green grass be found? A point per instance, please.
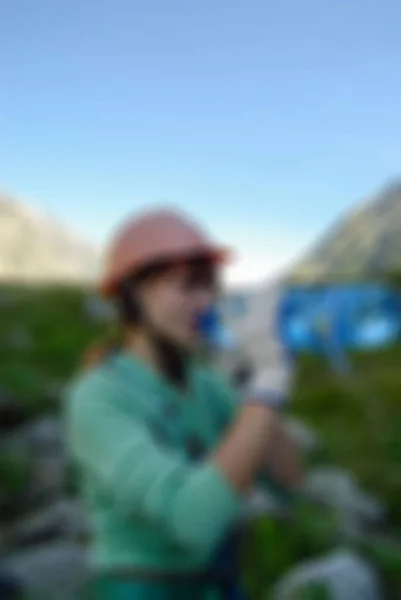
(55, 321)
(360, 420)
(14, 469)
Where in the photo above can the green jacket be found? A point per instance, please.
(134, 438)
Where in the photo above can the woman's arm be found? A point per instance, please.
(282, 462)
(283, 457)
(195, 504)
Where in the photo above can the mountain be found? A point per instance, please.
(367, 240)
(37, 248)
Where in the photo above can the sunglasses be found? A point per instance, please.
(193, 275)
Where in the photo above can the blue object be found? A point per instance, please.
(214, 332)
(331, 320)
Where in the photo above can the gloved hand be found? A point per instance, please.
(271, 385)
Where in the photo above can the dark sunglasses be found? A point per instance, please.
(195, 274)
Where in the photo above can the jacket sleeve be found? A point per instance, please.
(225, 398)
(194, 504)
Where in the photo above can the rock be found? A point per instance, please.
(64, 519)
(342, 574)
(261, 502)
(42, 443)
(44, 436)
(337, 489)
(48, 572)
(48, 478)
(307, 439)
(45, 442)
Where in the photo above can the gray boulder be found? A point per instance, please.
(48, 572)
(342, 575)
(307, 439)
(42, 444)
(337, 489)
(263, 503)
(64, 519)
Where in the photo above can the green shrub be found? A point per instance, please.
(14, 472)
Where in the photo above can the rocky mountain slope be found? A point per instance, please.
(35, 247)
(365, 241)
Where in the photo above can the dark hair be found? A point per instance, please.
(128, 314)
(128, 311)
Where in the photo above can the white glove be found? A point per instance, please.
(272, 384)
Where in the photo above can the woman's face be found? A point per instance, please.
(175, 298)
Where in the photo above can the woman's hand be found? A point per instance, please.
(283, 457)
(272, 386)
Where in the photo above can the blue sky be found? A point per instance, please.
(265, 119)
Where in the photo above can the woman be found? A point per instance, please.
(167, 453)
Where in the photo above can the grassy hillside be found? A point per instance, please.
(44, 331)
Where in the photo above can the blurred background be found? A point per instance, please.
(277, 125)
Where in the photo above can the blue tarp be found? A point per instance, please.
(331, 318)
